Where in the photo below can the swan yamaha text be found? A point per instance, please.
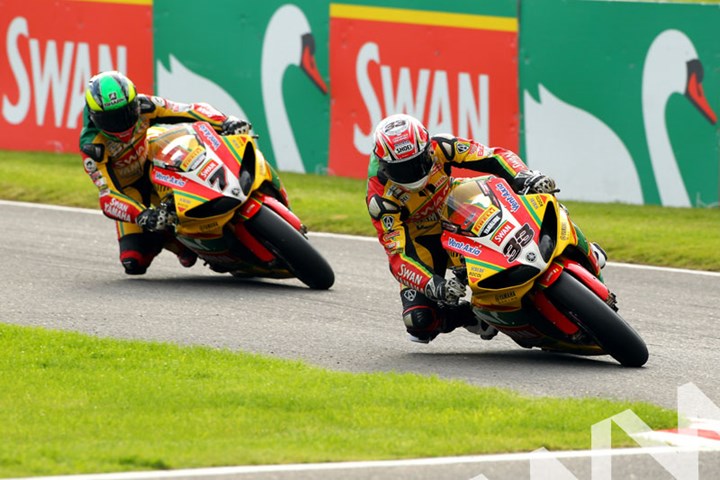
(228, 205)
(529, 278)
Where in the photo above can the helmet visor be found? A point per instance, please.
(118, 120)
(411, 170)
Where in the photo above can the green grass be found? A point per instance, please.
(72, 403)
(673, 237)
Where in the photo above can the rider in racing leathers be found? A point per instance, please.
(408, 181)
(114, 150)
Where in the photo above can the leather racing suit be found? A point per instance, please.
(120, 172)
(408, 225)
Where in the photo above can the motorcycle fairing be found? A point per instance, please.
(214, 184)
(500, 237)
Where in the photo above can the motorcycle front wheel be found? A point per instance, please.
(289, 245)
(598, 320)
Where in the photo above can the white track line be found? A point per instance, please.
(304, 467)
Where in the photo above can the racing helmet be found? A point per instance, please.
(402, 148)
(113, 105)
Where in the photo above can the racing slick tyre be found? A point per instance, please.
(598, 320)
(289, 245)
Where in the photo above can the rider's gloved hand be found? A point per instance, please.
(531, 181)
(447, 291)
(152, 220)
(235, 126)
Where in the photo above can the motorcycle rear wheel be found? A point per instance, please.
(292, 248)
(600, 321)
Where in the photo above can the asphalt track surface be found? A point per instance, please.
(60, 271)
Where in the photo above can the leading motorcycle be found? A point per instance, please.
(530, 273)
(227, 204)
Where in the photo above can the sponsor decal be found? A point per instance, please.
(193, 159)
(169, 179)
(117, 209)
(207, 111)
(410, 294)
(208, 169)
(476, 272)
(388, 222)
(112, 100)
(209, 226)
(90, 165)
(563, 231)
(491, 224)
(389, 236)
(509, 197)
(432, 206)
(403, 148)
(131, 162)
(505, 297)
(462, 147)
(160, 102)
(463, 247)
(411, 276)
(208, 135)
(502, 232)
(238, 142)
(483, 218)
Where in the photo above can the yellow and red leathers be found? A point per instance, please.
(119, 170)
(408, 222)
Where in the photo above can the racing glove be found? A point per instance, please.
(235, 126)
(152, 220)
(531, 181)
(444, 291)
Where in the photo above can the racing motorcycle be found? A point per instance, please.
(529, 273)
(227, 204)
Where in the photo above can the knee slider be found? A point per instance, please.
(421, 317)
(133, 267)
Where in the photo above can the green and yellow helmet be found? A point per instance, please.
(112, 101)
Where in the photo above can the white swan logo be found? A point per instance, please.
(288, 41)
(572, 144)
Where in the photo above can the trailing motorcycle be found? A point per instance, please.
(227, 204)
(529, 273)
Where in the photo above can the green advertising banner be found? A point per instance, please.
(263, 60)
(620, 99)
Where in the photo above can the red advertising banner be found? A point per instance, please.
(51, 48)
(455, 72)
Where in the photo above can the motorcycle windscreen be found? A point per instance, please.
(469, 205)
(176, 149)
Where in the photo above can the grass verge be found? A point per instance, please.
(72, 403)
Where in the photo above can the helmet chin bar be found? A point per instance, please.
(414, 186)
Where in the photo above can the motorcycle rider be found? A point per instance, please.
(114, 150)
(408, 181)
